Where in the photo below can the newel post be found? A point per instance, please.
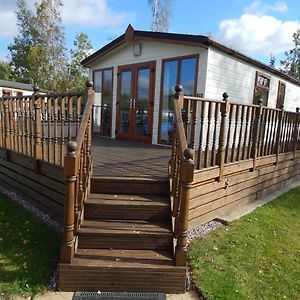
(296, 132)
(186, 177)
(70, 169)
(37, 126)
(256, 133)
(224, 108)
(278, 133)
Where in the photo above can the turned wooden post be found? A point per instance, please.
(256, 133)
(278, 133)
(186, 176)
(224, 108)
(296, 132)
(37, 127)
(70, 170)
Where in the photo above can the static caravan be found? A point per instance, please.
(135, 74)
(11, 88)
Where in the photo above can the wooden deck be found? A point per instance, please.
(118, 158)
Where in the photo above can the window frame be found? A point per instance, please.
(258, 88)
(112, 91)
(278, 104)
(163, 61)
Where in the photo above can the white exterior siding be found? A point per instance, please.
(151, 51)
(229, 74)
(14, 91)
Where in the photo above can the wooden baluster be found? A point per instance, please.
(62, 129)
(213, 149)
(284, 129)
(55, 119)
(236, 122)
(256, 133)
(186, 176)
(193, 125)
(187, 119)
(209, 115)
(270, 131)
(176, 182)
(78, 113)
(37, 131)
(251, 131)
(221, 151)
(227, 151)
(274, 133)
(199, 159)
(296, 132)
(240, 134)
(278, 133)
(262, 132)
(49, 125)
(7, 125)
(291, 131)
(11, 121)
(31, 125)
(70, 171)
(70, 117)
(22, 125)
(244, 154)
(17, 125)
(43, 116)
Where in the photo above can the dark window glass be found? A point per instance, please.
(261, 89)
(181, 71)
(281, 94)
(97, 81)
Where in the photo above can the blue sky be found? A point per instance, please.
(254, 27)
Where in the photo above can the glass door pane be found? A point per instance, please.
(141, 103)
(125, 101)
(167, 113)
(106, 103)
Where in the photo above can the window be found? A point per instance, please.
(103, 84)
(281, 94)
(183, 71)
(261, 89)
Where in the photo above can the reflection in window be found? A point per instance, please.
(103, 81)
(182, 71)
(261, 89)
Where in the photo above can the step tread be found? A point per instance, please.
(124, 227)
(125, 199)
(120, 258)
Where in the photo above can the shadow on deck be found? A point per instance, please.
(117, 158)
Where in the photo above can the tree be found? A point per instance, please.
(291, 65)
(77, 73)
(272, 60)
(5, 70)
(38, 54)
(161, 12)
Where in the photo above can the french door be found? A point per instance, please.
(135, 102)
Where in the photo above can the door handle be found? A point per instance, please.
(134, 102)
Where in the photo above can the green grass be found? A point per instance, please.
(28, 250)
(255, 257)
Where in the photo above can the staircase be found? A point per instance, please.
(125, 241)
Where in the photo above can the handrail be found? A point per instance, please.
(181, 175)
(77, 169)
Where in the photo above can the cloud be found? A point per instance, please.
(258, 34)
(92, 13)
(257, 7)
(74, 12)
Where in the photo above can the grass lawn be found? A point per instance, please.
(255, 257)
(28, 251)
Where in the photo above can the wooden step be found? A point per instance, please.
(128, 185)
(121, 234)
(122, 270)
(127, 207)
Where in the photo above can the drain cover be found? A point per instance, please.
(117, 296)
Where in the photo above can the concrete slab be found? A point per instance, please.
(190, 295)
(245, 209)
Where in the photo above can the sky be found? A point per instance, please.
(256, 28)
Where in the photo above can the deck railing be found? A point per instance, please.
(40, 125)
(211, 134)
(77, 169)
